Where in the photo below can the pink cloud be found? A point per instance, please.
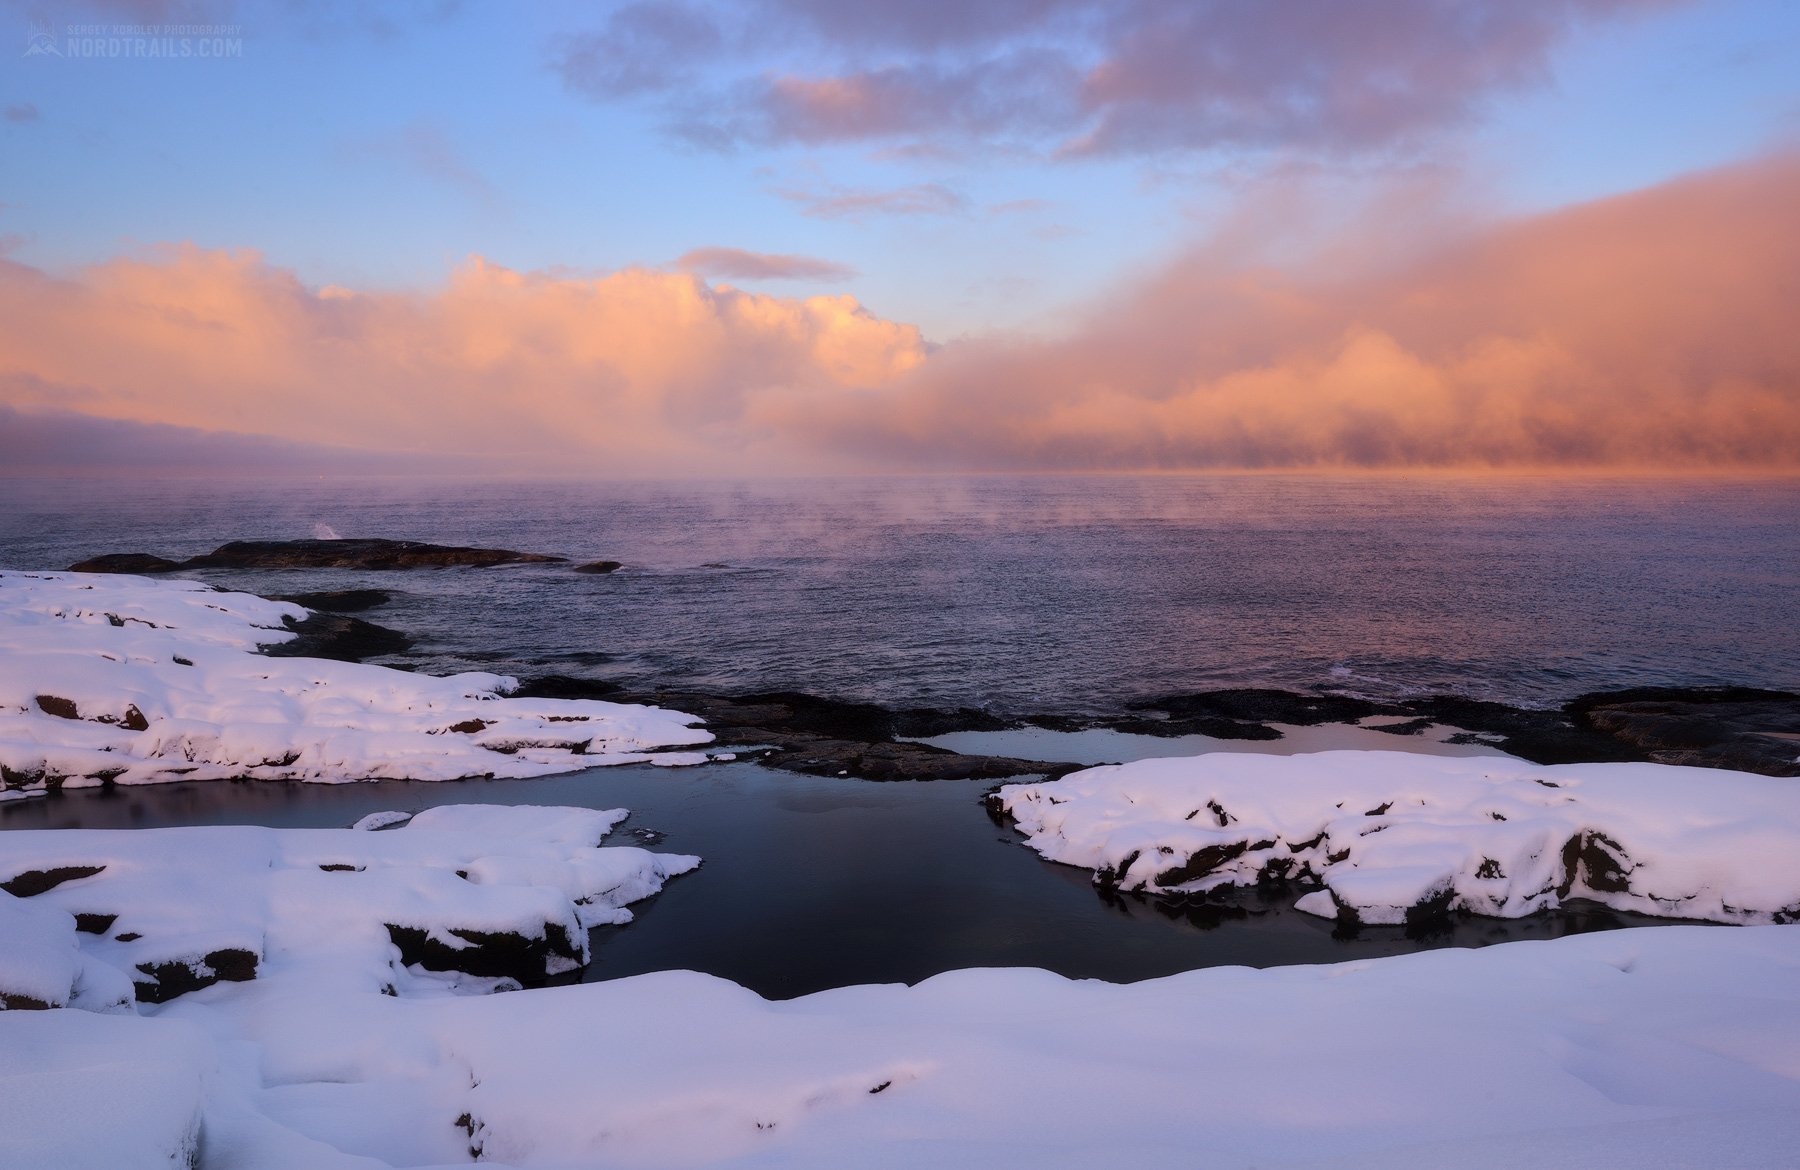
(1652, 330)
(1649, 330)
(633, 371)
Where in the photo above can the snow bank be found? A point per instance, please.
(1392, 835)
(1673, 1046)
(136, 681)
(479, 890)
(86, 1092)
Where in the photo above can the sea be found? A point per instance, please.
(1024, 595)
(1016, 595)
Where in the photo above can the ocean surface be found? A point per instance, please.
(1031, 594)
(1020, 595)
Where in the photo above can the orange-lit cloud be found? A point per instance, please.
(1651, 330)
(631, 372)
(1658, 329)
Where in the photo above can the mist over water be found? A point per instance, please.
(1023, 594)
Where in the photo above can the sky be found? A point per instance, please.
(776, 235)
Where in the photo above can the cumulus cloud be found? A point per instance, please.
(1648, 330)
(632, 372)
(1075, 76)
(738, 264)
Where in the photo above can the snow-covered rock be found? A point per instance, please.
(489, 891)
(129, 680)
(1388, 835)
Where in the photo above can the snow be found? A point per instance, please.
(315, 906)
(1658, 1047)
(130, 680)
(86, 1092)
(1388, 833)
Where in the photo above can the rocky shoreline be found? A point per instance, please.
(1738, 728)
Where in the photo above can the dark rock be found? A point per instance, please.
(22, 1003)
(356, 554)
(35, 881)
(1407, 727)
(599, 567)
(1204, 861)
(95, 923)
(60, 707)
(563, 686)
(829, 737)
(490, 954)
(174, 977)
(125, 563)
(331, 635)
(338, 600)
(923, 722)
(1711, 727)
(1265, 705)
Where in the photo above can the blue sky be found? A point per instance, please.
(380, 154)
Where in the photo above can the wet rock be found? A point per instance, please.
(1262, 705)
(1711, 727)
(599, 567)
(923, 722)
(338, 600)
(564, 686)
(332, 635)
(830, 737)
(136, 562)
(357, 554)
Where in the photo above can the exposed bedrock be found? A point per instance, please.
(830, 737)
(336, 636)
(1739, 728)
(338, 600)
(318, 554)
(125, 563)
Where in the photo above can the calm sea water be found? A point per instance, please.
(1034, 594)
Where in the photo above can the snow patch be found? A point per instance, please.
(1393, 835)
(128, 680)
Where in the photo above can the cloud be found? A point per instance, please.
(862, 202)
(54, 442)
(22, 113)
(631, 372)
(1649, 330)
(1076, 77)
(737, 264)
